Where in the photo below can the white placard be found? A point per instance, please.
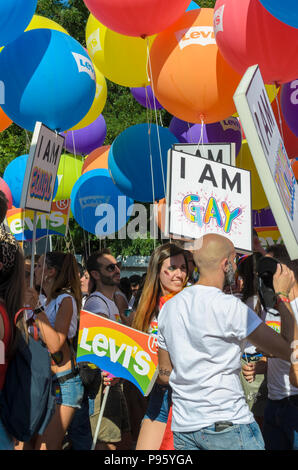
(219, 152)
(204, 196)
(269, 154)
(41, 170)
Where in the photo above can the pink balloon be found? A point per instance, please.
(5, 189)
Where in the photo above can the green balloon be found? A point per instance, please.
(69, 171)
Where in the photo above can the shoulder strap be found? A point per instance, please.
(101, 298)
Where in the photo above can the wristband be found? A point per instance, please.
(281, 298)
(283, 294)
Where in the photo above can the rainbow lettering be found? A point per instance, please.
(118, 349)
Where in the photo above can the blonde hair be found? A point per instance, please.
(148, 304)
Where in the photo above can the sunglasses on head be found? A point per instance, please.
(111, 267)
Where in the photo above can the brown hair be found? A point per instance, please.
(148, 304)
(67, 277)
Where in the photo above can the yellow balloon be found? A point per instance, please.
(40, 22)
(98, 103)
(272, 92)
(121, 59)
(244, 160)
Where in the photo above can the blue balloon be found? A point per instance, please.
(14, 175)
(129, 161)
(48, 77)
(284, 10)
(15, 15)
(192, 6)
(97, 204)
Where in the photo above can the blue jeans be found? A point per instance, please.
(69, 393)
(281, 425)
(236, 437)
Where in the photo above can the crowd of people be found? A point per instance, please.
(228, 378)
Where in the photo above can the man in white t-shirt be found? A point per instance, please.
(104, 272)
(202, 362)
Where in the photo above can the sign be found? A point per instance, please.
(269, 154)
(20, 221)
(222, 153)
(119, 350)
(41, 171)
(208, 197)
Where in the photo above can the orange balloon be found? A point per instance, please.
(5, 122)
(191, 79)
(97, 159)
(160, 214)
(295, 168)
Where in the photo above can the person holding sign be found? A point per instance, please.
(166, 276)
(57, 274)
(202, 362)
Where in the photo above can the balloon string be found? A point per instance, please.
(156, 119)
(152, 175)
(201, 140)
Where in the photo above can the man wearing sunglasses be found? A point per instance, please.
(104, 272)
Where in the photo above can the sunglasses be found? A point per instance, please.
(112, 267)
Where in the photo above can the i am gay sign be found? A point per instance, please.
(119, 350)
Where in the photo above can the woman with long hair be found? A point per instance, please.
(57, 274)
(166, 276)
(12, 299)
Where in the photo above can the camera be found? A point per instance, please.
(266, 268)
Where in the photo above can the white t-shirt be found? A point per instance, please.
(278, 371)
(251, 302)
(52, 308)
(99, 303)
(202, 329)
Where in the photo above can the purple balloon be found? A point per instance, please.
(227, 130)
(263, 218)
(145, 100)
(289, 105)
(89, 138)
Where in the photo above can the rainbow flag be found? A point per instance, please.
(118, 349)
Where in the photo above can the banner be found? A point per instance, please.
(268, 236)
(20, 221)
(41, 171)
(204, 196)
(118, 349)
(269, 154)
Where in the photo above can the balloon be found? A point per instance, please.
(289, 138)
(69, 171)
(15, 15)
(295, 168)
(97, 159)
(38, 22)
(129, 161)
(192, 6)
(98, 103)
(87, 139)
(191, 79)
(121, 59)
(247, 34)
(14, 176)
(48, 77)
(5, 189)
(289, 104)
(245, 161)
(146, 98)
(285, 10)
(228, 130)
(5, 122)
(160, 214)
(137, 17)
(97, 204)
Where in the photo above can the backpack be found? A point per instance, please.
(27, 403)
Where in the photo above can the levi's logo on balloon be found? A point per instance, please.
(202, 35)
(218, 19)
(84, 65)
(230, 124)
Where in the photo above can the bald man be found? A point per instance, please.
(202, 362)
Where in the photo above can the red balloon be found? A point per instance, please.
(295, 168)
(247, 34)
(5, 189)
(289, 138)
(137, 17)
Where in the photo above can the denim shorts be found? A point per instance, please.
(160, 400)
(69, 393)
